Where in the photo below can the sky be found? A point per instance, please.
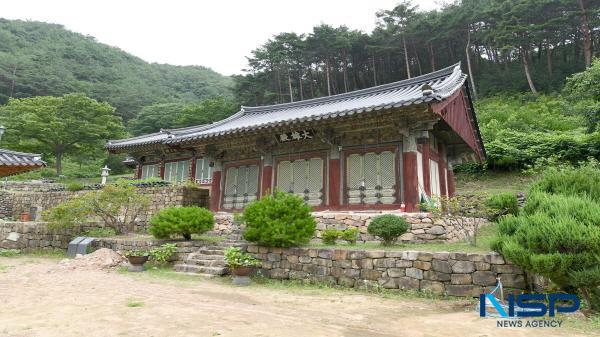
(215, 34)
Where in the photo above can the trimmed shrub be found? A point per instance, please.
(503, 204)
(279, 220)
(330, 235)
(558, 235)
(350, 234)
(583, 180)
(183, 221)
(388, 227)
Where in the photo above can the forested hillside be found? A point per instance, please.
(41, 59)
(507, 46)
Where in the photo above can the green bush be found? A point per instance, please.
(236, 258)
(558, 235)
(75, 186)
(330, 235)
(568, 180)
(502, 204)
(279, 220)
(183, 221)
(388, 227)
(350, 234)
(163, 253)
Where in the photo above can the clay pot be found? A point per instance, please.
(137, 263)
(242, 271)
(24, 217)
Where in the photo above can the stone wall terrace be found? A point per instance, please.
(454, 274)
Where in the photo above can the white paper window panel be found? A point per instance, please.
(177, 171)
(150, 171)
(203, 171)
(434, 178)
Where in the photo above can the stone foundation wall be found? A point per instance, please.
(160, 197)
(455, 274)
(424, 226)
(36, 235)
(30, 186)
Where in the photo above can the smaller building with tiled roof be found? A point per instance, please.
(12, 162)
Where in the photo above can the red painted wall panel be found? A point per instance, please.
(334, 182)
(411, 184)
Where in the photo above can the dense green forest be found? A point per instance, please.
(41, 59)
(507, 46)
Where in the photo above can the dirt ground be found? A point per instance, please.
(39, 298)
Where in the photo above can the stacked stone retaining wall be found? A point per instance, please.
(455, 274)
(424, 227)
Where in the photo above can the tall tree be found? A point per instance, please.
(66, 125)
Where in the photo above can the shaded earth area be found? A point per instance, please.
(39, 297)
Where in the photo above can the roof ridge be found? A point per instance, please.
(25, 154)
(351, 94)
(116, 141)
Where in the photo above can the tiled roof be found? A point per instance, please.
(12, 158)
(444, 83)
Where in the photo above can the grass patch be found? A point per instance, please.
(159, 272)
(9, 252)
(491, 182)
(134, 304)
(484, 239)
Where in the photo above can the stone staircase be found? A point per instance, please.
(209, 261)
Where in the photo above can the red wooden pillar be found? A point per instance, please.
(442, 166)
(410, 179)
(451, 187)
(215, 190)
(426, 169)
(267, 178)
(192, 174)
(138, 171)
(334, 183)
(162, 169)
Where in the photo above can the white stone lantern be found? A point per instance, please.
(104, 174)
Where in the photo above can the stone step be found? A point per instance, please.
(206, 251)
(206, 263)
(197, 256)
(189, 268)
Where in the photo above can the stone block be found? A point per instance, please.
(375, 254)
(357, 254)
(407, 237)
(273, 257)
(325, 253)
(323, 262)
(459, 256)
(414, 273)
(292, 258)
(408, 283)
(403, 264)
(297, 275)
(460, 279)
(343, 263)
(463, 267)
(313, 253)
(410, 255)
(370, 274)
(484, 278)
(365, 263)
(384, 263)
(432, 286)
(436, 230)
(463, 290)
(482, 266)
(436, 276)
(304, 259)
(476, 257)
(392, 253)
(346, 281)
(425, 256)
(340, 254)
(441, 256)
(441, 266)
(352, 273)
(422, 265)
(279, 273)
(337, 272)
(396, 272)
(388, 283)
(494, 258)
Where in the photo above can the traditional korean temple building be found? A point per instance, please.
(383, 147)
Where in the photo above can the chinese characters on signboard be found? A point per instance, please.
(293, 136)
